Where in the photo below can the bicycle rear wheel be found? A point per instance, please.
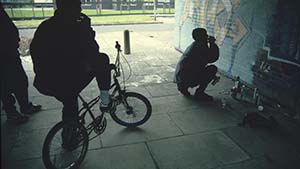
(133, 111)
(56, 155)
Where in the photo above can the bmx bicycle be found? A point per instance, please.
(129, 109)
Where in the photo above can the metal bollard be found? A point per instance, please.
(126, 42)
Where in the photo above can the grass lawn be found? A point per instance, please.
(104, 17)
(116, 19)
(47, 12)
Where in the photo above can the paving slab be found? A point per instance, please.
(181, 133)
(289, 160)
(204, 118)
(259, 142)
(136, 81)
(35, 163)
(140, 68)
(158, 127)
(257, 163)
(289, 128)
(32, 90)
(27, 64)
(134, 156)
(209, 150)
(7, 142)
(174, 103)
(40, 120)
(141, 90)
(272, 161)
(165, 89)
(29, 145)
(154, 60)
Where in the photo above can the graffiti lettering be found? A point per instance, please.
(217, 16)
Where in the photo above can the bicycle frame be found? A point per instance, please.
(116, 92)
(117, 73)
(119, 97)
(86, 108)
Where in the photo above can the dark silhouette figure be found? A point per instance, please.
(14, 82)
(193, 69)
(66, 58)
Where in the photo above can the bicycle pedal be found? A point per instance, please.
(100, 127)
(98, 119)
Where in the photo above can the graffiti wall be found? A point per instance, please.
(259, 40)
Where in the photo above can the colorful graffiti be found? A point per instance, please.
(220, 19)
(217, 16)
(259, 40)
(283, 42)
(278, 62)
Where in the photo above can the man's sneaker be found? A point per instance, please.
(184, 92)
(32, 108)
(107, 108)
(17, 118)
(203, 97)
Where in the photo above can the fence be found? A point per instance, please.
(21, 10)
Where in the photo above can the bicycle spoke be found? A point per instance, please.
(63, 160)
(57, 155)
(134, 111)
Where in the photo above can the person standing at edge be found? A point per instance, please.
(14, 81)
(194, 66)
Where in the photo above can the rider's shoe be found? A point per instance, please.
(32, 108)
(107, 108)
(71, 138)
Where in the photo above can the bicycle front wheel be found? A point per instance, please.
(58, 154)
(134, 110)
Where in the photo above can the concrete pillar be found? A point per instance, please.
(155, 9)
(126, 42)
(54, 5)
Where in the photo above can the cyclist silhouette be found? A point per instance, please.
(66, 58)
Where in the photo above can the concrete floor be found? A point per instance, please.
(181, 133)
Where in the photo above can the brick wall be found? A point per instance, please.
(259, 41)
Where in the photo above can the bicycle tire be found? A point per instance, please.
(46, 156)
(129, 97)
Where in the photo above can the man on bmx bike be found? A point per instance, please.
(66, 58)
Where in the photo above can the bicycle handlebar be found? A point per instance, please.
(116, 66)
(118, 46)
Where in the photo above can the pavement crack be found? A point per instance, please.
(152, 156)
